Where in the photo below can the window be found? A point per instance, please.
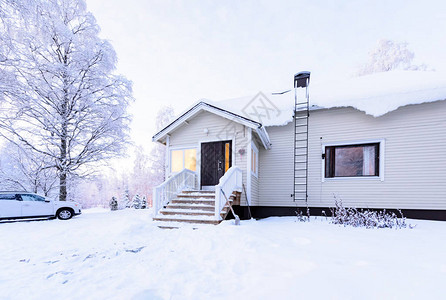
(254, 160)
(183, 159)
(352, 160)
(29, 197)
(8, 197)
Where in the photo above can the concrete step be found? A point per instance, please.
(191, 212)
(187, 219)
(198, 192)
(193, 201)
(191, 206)
(196, 195)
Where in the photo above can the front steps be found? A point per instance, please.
(190, 207)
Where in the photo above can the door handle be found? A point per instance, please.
(219, 165)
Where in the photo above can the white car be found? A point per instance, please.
(16, 205)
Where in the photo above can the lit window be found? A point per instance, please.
(352, 160)
(183, 159)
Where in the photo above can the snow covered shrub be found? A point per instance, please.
(365, 218)
(113, 203)
(136, 202)
(144, 202)
(301, 217)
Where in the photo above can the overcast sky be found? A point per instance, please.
(177, 52)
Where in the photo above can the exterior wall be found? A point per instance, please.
(414, 164)
(276, 168)
(219, 128)
(254, 179)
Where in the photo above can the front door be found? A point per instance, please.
(216, 159)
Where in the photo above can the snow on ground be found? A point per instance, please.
(124, 255)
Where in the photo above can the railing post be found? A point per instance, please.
(156, 196)
(217, 202)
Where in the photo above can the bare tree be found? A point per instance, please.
(65, 102)
(389, 55)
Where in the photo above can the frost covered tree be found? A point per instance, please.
(113, 203)
(63, 98)
(158, 153)
(125, 200)
(143, 202)
(25, 170)
(389, 55)
(136, 202)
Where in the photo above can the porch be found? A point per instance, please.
(179, 200)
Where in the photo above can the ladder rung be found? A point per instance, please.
(303, 154)
(300, 177)
(301, 125)
(298, 118)
(301, 147)
(302, 140)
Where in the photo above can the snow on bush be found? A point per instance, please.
(136, 202)
(365, 218)
(113, 203)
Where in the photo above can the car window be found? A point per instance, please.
(28, 197)
(8, 197)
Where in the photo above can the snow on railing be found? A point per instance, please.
(171, 187)
(230, 182)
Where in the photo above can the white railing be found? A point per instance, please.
(230, 182)
(166, 191)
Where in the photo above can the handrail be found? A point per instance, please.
(167, 190)
(230, 182)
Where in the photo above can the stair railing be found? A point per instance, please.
(166, 191)
(230, 182)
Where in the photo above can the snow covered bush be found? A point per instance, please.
(365, 218)
(125, 200)
(113, 203)
(301, 217)
(136, 202)
(144, 202)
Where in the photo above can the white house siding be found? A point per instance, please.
(414, 157)
(414, 160)
(276, 168)
(255, 180)
(219, 128)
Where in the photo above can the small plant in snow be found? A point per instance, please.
(136, 202)
(301, 217)
(113, 203)
(144, 202)
(365, 218)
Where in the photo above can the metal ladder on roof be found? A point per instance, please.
(301, 116)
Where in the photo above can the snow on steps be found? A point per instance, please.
(189, 207)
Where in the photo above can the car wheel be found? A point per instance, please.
(65, 214)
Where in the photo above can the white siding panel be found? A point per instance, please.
(276, 168)
(414, 159)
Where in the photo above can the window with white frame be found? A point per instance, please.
(183, 159)
(358, 160)
(254, 160)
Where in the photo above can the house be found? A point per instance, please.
(376, 141)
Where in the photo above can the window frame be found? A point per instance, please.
(254, 160)
(379, 163)
(183, 150)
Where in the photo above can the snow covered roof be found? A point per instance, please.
(375, 94)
